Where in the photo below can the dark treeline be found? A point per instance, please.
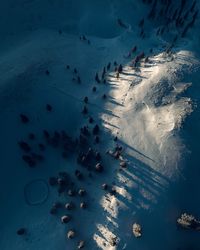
(177, 15)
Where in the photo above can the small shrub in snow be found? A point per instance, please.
(52, 181)
(81, 244)
(99, 167)
(24, 146)
(24, 118)
(65, 218)
(85, 99)
(69, 206)
(71, 192)
(85, 110)
(47, 72)
(95, 130)
(82, 192)
(83, 205)
(49, 107)
(97, 140)
(31, 136)
(123, 164)
(104, 186)
(21, 231)
(71, 234)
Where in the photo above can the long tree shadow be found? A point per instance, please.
(135, 150)
(137, 189)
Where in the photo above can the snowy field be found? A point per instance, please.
(60, 77)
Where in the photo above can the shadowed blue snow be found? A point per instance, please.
(154, 111)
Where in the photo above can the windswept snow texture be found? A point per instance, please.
(151, 106)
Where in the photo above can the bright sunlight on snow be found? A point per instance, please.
(99, 109)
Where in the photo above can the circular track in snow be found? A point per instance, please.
(36, 192)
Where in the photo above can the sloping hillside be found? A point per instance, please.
(99, 109)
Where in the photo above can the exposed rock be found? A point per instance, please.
(188, 221)
(137, 230)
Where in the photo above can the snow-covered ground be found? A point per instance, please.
(153, 109)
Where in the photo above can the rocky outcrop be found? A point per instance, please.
(188, 221)
(137, 230)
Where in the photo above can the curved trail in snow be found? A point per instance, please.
(146, 108)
